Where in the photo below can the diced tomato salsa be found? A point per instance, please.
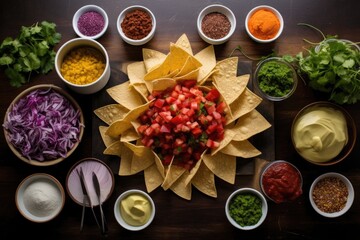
(183, 122)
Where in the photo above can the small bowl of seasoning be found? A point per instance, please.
(90, 21)
(40, 197)
(264, 24)
(216, 24)
(281, 181)
(246, 208)
(323, 133)
(49, 136)
(331, 194)
(134, 210)
(275, 79)
(83, 65)
(136, 25)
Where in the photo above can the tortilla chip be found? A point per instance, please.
(110, 113)
(125, 95)
(172, 174)
(245, 103)
(249, 125)
(159, 165)
(152, 58)
(140, 163)
(180, 188)
(222, 165)
(184, 43)
(173, 62)
(120, 126)
(242, 149)
(125, 162)
(226, 68)
(129, 135)
(114, 148)
(228, 136)
(193, 171)
(153, 178)
(190, 65)
(163, 84)
(204, 181)
(208, 60)
(106, 139)
(232, 87)
(143, 90)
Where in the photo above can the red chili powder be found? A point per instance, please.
(137, 24)
(215, 25)
(91, 23)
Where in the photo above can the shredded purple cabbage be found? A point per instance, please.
(43, 125)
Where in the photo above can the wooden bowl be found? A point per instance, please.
(45, 162)
(351, 127)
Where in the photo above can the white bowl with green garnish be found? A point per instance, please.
(246, 208)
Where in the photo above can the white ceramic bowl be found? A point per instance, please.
(85, 9)
(117, 211)
(40, 197)
(103, 173)
(92, 87)
(350, 197)
(220, 9)
(273, 10)
(278, 61)
(128, 40)
(24, 94)
(247, 191)
(286, 191)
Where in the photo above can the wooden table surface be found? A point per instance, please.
(202, 217)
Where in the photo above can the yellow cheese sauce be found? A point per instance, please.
(135, 209)
(320, 134)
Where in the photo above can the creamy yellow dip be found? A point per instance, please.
(320, 134)
(135, 209)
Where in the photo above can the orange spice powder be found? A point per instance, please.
(264, 24)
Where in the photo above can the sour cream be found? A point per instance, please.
(320, 134)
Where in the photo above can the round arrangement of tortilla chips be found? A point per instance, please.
(158, 72)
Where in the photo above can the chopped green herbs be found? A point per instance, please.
(275, 78)
(32, 51)
(334, 68)
(245, 209)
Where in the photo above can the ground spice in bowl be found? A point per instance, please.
(215, 25)
(91, 23)
(137, 24)
(264, 23)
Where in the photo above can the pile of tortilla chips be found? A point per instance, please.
(160, 71)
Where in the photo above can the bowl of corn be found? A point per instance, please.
(83, 64)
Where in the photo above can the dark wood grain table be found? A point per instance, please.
(203, 217)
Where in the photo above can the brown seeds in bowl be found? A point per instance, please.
(215, 25)
(330, 194)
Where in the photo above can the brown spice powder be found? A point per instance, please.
(330, 194)
(215, 25)
(137, 24)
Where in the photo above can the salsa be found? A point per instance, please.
(182, 123)
(281, 182)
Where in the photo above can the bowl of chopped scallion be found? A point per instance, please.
(275, 79)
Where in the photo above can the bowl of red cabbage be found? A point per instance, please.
(43, 125)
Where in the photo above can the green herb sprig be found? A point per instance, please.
(333, 67)
(32, 51)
